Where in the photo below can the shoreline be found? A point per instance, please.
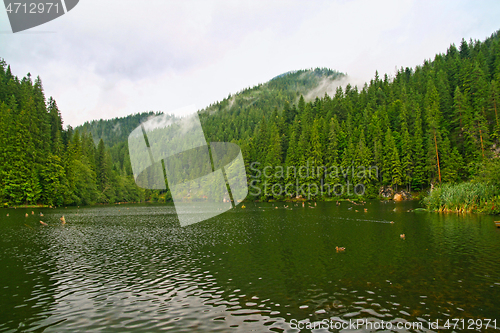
(355, 202)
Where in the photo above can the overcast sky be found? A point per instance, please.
(111, 58)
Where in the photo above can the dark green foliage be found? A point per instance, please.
(429, 125)
(40, 163)
(436, 123)
(116, 130)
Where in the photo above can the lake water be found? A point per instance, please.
(132, 268)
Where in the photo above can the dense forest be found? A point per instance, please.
(437, 123)
(42, 163)
(434, 124)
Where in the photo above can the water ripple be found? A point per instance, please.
(132, 268)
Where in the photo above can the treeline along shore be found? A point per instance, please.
(431, 128)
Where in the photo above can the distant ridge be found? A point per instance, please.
(286, 87)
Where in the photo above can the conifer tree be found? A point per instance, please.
(434, 138)
(406, 160)
(494, 105)
(418, 179)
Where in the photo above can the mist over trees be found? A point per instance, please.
(436, 123)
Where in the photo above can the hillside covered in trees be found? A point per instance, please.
(437, 123)
(434, 124)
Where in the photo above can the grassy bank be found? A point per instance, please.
(464, 198)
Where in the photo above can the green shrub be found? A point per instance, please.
(464, 197)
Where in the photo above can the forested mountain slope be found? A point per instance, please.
(282, 89)
(435, 123)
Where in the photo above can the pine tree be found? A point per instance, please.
(332, 153)
(494, 105)
(102, 167)
(451, 161)
(316, 149)
(433, 122)
(419, 179)
(464, 50)
(55, 127)
(392, 172)
(406, 150)
(461, 109)
(363, 161)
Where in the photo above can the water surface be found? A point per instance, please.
(132, 268)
